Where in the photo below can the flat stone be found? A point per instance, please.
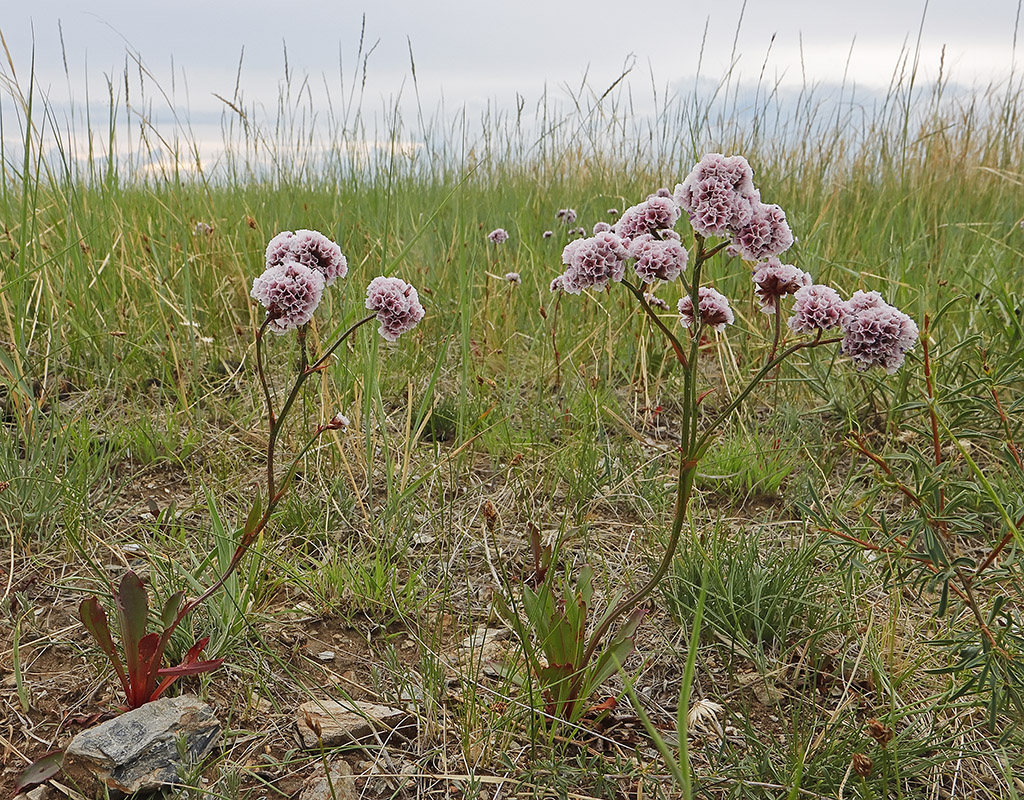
(340, 786)
(138, 750)
(336, 723)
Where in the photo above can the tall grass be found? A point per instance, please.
(126, 338)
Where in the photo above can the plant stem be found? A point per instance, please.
(676, 344)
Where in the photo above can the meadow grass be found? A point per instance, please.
(133, 424)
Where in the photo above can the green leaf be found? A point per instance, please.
(170, 610)
(616, 653)
(255, 513)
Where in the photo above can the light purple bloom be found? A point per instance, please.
(817, 308)
(714, 309)
(580, 231)
(767, 233)
(614, 212)
(593, 262)
(773, 280)
(513, 277)
(655, 302)
(862, 301)
(878, 336)
(290, 292)
(601, 227)
(202, 229)
(718, 194)
(498, 236)
(548, 234)
(556, 284)
(397, 305)
(657, 259)
(567, 215)
(654, 214)
(662, 192)
(311, 249)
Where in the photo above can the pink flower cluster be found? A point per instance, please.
(713, 306)
(593, 262)
(300, 265)
(566, 215)
(498, 236)
(290, 292)
(718, 194)
(774, 280)
(875, 334)
(311, 249)
(657, 259)
(721, 199)
(767, 233)
(817, 308)
(397, 305)
(657, 213)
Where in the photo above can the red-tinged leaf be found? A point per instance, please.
(607, 705)
(195, 650)
(95, 620)
(193, 668)
(40, 771)
(132, 602)
(144, 680)
(170, 610)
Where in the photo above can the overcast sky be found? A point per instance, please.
(474, 49)
(470, 53)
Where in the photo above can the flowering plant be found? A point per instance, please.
(299, 266)
(721, 201)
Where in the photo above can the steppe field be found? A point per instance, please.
(825, 557)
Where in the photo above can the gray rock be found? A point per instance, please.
(138, 751)
(337, 723)
(340, 786)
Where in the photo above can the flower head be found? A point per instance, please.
(657, 259)
(339, 422)
(567, 215)
(773, 280)
(862, 301)
(498, 236)
(878, 336)
(593, 262)
(654, 214)
(513, 277)
(290, 292)
(718, 194)
(202, 229)
(614, 212)
(397, 305)
(311, 249)
(601, 227)
(662, 192)
(556, 284)
(548, 234)
(714, 309)
(816, 308)
(767, 233)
